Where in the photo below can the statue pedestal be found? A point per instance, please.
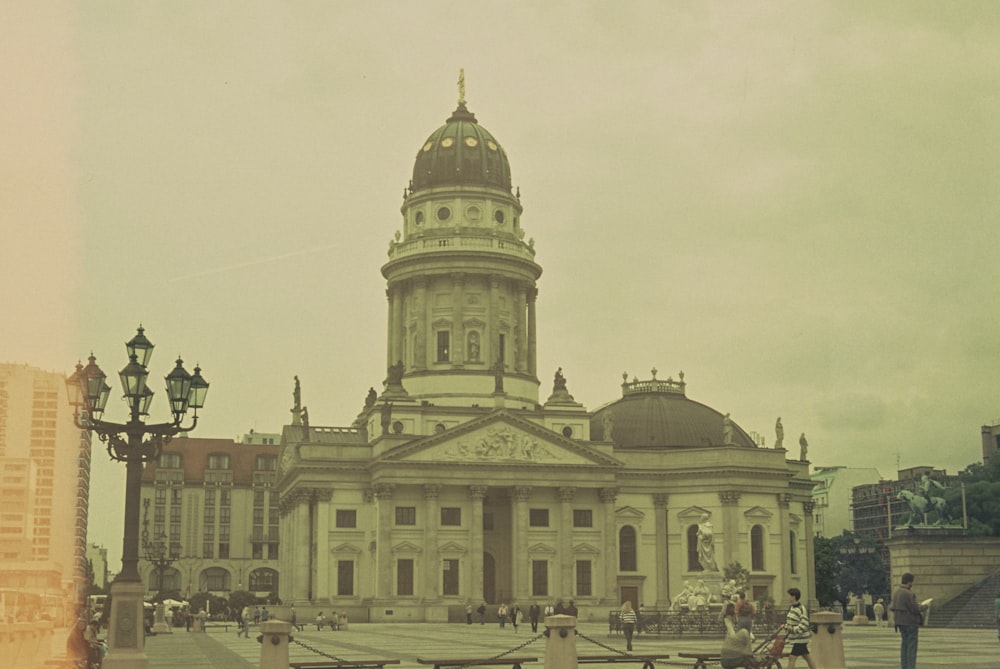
(859, 620)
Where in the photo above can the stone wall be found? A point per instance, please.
(943, 560)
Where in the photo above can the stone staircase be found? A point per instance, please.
(972, 608)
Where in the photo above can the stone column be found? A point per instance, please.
(786, 548)
(494, 320)
(458, 325)
(398, 326)
(566, 566)
(422, 311)
(519, 589)
(807, 510)
(390, 334)
(301, 515)
(383, 541)
(432, 520)
(730, 527)
(662, 558)
(477, 493)
(608, 496)
(520, 362)
(532, 296)
(322, 539)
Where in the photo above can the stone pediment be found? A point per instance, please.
(585, 549)
(501, 439)
(346, 548)
(794, 519)
(629, 513)
(693, 514)
(541, 549)
(757, 513)
(406, 547)
(451, 548)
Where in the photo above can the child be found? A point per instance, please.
(798, 630)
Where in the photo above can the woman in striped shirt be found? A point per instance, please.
(628, 620)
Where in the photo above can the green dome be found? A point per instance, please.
(461, 153)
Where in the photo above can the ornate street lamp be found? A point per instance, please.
(134, 442)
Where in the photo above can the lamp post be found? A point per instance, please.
(161, 555)
(134, 442)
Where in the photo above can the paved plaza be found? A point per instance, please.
(864, 647)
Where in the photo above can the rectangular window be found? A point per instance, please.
(347, 518)
(443, 345)
(449, 580)
(502, 353)
(223, 551)
(208, 551)
(218, 461)
(345, 577)
(225, 497)
(406, 515)
(175, 495)
(258, 498)
(540, 578)
(584, 584)
(258, 551)
(266, 462)
(161, 495)
(258, 516)
(404, 577)
(272, 551)
(583, 518)
(538, 517)
(451, 515)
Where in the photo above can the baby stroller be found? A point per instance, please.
(768, 652)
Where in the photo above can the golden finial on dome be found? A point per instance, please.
(461, 86)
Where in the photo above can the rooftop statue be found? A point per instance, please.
(779, 434)
(560, 381)
(727, 430)
(803, 448)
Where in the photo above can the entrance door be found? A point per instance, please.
(489, 579)
(630, 593)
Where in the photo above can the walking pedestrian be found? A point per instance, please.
(482, 613)
(502, 612)
(909, 616)
(798, 630)
(879, 611)
(533, 612)
(294, 618)
(515, 616)
(628, 619)
(245, 630)
(468, 613)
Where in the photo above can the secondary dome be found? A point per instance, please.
(461, 153)
(657, 414)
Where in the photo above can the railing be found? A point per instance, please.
(510, 247)
(693, 622)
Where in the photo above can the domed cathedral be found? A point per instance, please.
(456, 485)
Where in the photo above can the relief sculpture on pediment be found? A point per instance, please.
(501, 444)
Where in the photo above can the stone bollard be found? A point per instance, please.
(274, 635)
(827, 643)
(560, 649)
(160, 620)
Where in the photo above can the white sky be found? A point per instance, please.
(793, 202)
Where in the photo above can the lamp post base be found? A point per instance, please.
(126, 633)
(160, 622)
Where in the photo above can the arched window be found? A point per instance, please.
(627, 549)
(263, 579)
(793, 564)
(694, 564)
(171, 580)
(757, 548)
(215, 579)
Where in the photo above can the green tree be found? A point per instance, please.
(982, 498)
(827, 569)
(241, 598)
(734, 571)
(849, 564)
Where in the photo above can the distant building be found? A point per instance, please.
(97, 556)
(44, 485)
(211, 504)
(991, 441)
(832, 497)
(876, 507)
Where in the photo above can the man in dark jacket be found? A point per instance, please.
(908, 615)
(534, 611)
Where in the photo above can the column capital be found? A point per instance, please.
(567, 494)
(730, 497)
(431, 491)
(608, 495)
(522, 493)
(660, 500)
(477, 492)
(808, 507)
(784, 499)
(383, 490)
